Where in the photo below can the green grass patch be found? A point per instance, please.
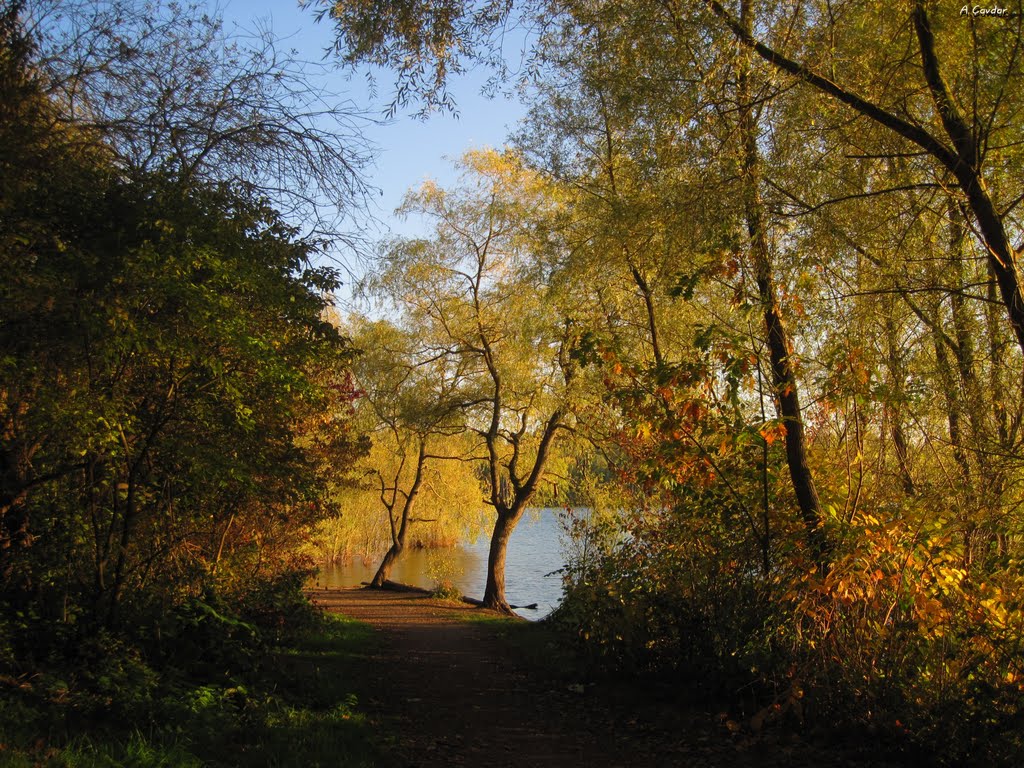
(297, 708)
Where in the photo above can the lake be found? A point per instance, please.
(536, 549)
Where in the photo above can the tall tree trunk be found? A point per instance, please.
(996, 350)
(980, 523)
(779, 347)
(1006, 429)
(954, 411)
(895, 407)
(964, 352)
(509, 513)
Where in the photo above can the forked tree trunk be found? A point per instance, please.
(510, 512)
(400, 533)
(398, 539)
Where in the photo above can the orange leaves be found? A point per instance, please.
(852, 371)
(692, 410)
(901, 590)
(772, 431)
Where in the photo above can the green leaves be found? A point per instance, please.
(166, 349)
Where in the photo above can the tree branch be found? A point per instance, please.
(907, 130)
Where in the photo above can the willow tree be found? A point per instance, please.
(409, 406)
(472, 290)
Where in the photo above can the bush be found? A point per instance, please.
(277, 603)
(898, 640)
(446, 590)
(110, 677)
(902, 638)
(204, 639)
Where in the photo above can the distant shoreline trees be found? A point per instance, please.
(501, 337)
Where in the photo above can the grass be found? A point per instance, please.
(297, 709)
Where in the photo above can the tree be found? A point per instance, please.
(50, 173)
(165, 360)
(171, 91)
(966, 146)
(423, 42)
(411, 394)
(780, 348)
(470, 291)
(733, 166)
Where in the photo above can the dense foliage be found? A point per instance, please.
(173, 405)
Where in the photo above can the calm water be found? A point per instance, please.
(534, 551)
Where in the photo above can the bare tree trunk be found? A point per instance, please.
(954, 411)
(996, 350)
(509, 513)
(386, 565)
(894, 407)
(1005, 428)
(952, 395)
(652, 320)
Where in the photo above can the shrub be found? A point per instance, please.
(277, 603)
(898, 639)
(202, 638)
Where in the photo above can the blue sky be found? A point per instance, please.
(410, 149)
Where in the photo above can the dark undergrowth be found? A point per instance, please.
(650, 648)
(292, 706)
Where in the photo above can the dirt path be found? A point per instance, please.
(452, 693)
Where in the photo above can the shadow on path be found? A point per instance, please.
(449, 692)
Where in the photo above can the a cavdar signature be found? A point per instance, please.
(979, 10)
